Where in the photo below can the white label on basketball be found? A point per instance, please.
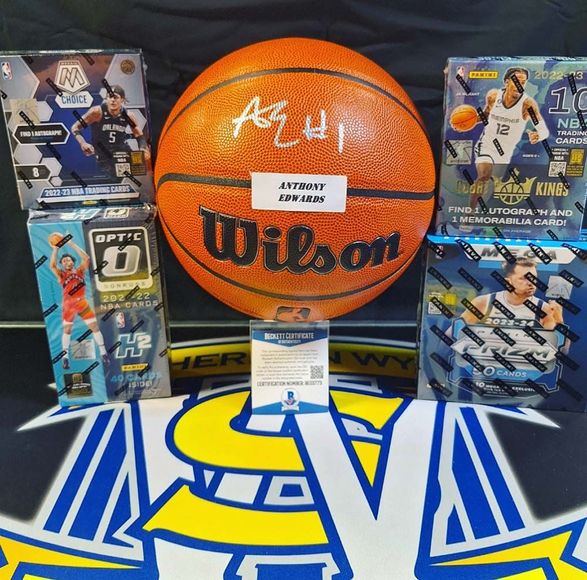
(299, 192)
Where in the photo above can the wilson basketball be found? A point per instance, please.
(464, 118)
(294, 180)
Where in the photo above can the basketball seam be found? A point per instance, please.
(293, 70)
(246, 184)
(283, 296)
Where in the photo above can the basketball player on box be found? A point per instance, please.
(507, 111)
(111, 127)
(515, 299)
(72, 280)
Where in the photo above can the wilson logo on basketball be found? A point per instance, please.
(301, 253)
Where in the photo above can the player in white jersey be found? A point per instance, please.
(516, 301)
(507, 111)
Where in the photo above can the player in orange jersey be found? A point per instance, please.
(72, 280)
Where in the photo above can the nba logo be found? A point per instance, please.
(120, 320)
(6, 71)
(461, 72)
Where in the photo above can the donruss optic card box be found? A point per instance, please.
(78, 126)
(503, 323)
(103, 302)
(514, 148)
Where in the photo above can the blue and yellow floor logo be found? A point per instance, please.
(383, 486)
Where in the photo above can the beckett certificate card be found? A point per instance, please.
(289, 367)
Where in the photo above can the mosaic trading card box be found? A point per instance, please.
(514, 144)
(98, 271)
(78, 127)
(503, 323)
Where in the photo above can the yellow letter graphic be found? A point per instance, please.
(205, 437)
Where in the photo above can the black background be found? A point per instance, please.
(410, 39)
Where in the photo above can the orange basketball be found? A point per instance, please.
(464, 118)
(302, 108)
(55, 238)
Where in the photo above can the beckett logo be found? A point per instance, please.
(71, 77)
(290, 400)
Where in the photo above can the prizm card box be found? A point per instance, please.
(514, 144)
(503, 323)
(102, 297)
(78, 126)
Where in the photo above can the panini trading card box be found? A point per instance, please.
(78, 126)
(514, 148)
(102, 296)
(503, 323)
